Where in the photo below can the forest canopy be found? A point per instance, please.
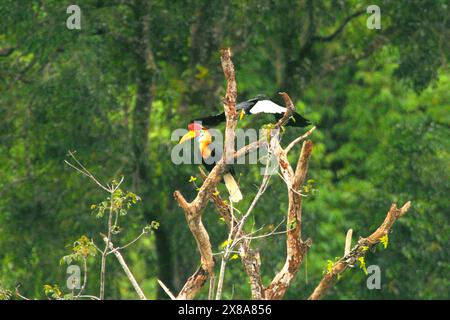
(113, 91)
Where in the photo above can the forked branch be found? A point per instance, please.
(296, 247)
(193, 210)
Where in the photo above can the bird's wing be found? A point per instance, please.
(296, 120)
(267, 106)
(211, 121)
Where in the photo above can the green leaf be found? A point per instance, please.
(362, 265)
(292, 224)
(224, 244)
(330, 265)
(385, 241)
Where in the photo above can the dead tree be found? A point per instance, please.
(239, 240)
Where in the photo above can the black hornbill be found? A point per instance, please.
(259, 104)
(202, 136)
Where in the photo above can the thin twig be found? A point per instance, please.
(299, 139)
(166, 290)
(105, 251)
(129, 243)
(126, 269)
(19, 294)
(89, 296)
(193, 210)
(258, 195)
(290, 187)
(272, 233)
(225, 255)
(84, 171)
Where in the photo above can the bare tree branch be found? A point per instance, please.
(166, 290)
(193, 285)
(193, 210)
(296, 247)
(249, 257)
(19, 294)
(364, 244)
(339, 29)
(294, 179)
(341, 61)
(125, 268)
(299, 139)
(290, 109)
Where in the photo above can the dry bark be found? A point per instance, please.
(193, 210)
(363, 246)
(294, 179)
(296, 248)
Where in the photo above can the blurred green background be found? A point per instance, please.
(116, 89)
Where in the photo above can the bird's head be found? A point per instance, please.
(262, 97)
(197, 132)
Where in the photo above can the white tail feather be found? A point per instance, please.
(232, 187)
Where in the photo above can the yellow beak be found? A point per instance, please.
(188, 136)
(242, 114)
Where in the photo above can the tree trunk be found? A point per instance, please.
(143, 177)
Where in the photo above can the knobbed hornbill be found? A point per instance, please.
(203, 137)
(261, 104)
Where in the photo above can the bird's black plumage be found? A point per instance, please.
(211, 121)
(259, 104)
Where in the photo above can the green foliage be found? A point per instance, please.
(5, 294)
(292, 224)
(330, 265)
(53, 291)
(234, 256)
(225, 244)
(364, 248)
(379, 99)
(309, 187)
(384, 240)
(84, 247)
(81, 250)
(192, 179)
(120, 204)
(362, 265)
(154, 225)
